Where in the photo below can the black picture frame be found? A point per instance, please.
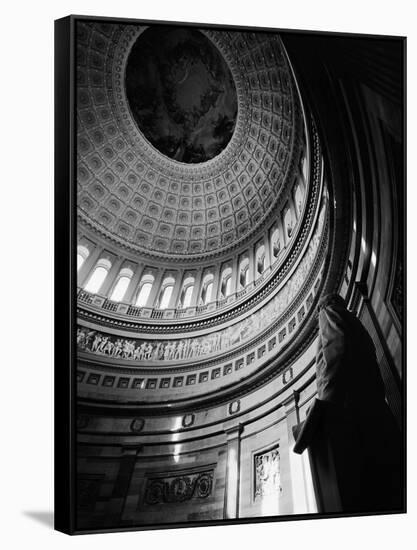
(66, 267)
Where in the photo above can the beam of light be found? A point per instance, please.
(311, 499)
(270, 505)
(232, 483)
(302, 484)
(175, 437)
(177, 450)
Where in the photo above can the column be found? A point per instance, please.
(122, 484)
(303, 498)
(293, 208)
(216, 283)
(235, 268)
(133, 285)
(284, 229)
(252, 265)
(267, 245)
(302, 183)
(389, 373)
(155, 289)
(88, 265)
(173, 301)
(197, 289)
(111, 276)
(231, 495)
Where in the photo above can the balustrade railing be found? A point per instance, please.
(110, 306)
(102, 302)
(85, 297)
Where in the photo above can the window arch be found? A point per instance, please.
(97, 278)
(123, 280)
(186, 292)
(82, 255)
(260, 260)
(299, 198)
(244, 272)
(226, 284)
(207, 288)
(275, 243)
(145, 287)
(304, 167)
(166, 292)
(289, 223)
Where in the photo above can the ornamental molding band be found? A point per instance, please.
(101, 309)
(137, 425)
(267, 474)
(184, 349)
(179, 488)
(137, 197)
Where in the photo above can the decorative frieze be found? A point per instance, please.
(137, 424)
(215, 342)
(179, 488)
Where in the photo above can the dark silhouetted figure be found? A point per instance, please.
(354, 444)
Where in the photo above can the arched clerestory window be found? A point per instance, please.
(304, 167)
(226, 282)
(186, 292)
(289, 223)
(166, 292)
(207, 289)
(244, 272)
(260, 260)
(275, 243)
(123, 281)
(299, 198)
(144, 289)
(82, 255)
(98, 276)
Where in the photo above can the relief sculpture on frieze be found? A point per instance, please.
(219, 341)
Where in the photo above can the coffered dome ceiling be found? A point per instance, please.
(196, 161)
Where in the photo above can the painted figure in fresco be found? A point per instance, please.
(167, 351)
(118, 348)
(157, 351)
(81, 337)
(220, 340)
(179, 350)
(149, 351)
(89, 338)
(109, 347)
(96, 343)
(102, 345)
(186, 349)
(137, 355)
(141, 351)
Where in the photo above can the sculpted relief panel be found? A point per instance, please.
(267, 474)
(190, 348)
